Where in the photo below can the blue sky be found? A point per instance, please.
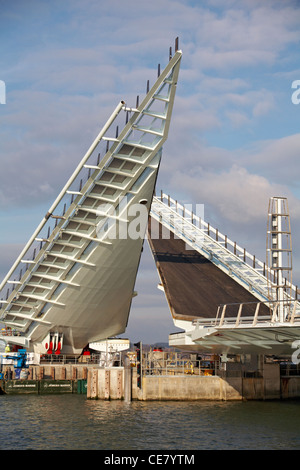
(234, 139)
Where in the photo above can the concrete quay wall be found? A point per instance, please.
(121, 383)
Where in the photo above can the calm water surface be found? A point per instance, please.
(72, 422)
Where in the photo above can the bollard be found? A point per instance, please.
(127, 380)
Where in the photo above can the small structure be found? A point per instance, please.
(110, 350)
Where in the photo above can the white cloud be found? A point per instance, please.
(277, 159)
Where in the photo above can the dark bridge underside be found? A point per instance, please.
(194, 286)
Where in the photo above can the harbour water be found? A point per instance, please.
(72, 422)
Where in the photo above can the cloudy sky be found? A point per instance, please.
(234, 139)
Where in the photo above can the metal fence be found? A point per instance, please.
(151, 363)
(173, 363)
(289, 369)
(97, 359)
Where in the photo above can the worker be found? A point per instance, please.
(7, 348)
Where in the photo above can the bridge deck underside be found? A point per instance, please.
(194, 286)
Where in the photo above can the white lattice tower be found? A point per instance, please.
(279, 255)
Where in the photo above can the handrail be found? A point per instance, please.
(174, 363)
(260, 267)
(221, 320)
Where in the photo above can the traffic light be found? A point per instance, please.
(138, 363)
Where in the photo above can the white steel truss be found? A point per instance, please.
(67, 276)
(279, 253)
(234, 333)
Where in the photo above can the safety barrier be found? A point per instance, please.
(174, 363)
(101, 359)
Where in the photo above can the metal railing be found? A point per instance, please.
(289, 369)
(190, 226)
(97, 359)
(69, 359)
(173, 363)
(9, 332)
(233, 315)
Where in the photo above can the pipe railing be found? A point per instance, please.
(173, 363)
(233, 314)
(224, 241)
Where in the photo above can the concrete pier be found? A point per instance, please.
(109, 384)
(120, 383)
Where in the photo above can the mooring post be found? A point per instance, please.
(127, 379)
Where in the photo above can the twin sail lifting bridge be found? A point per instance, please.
(73, 282)
(224, 299)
